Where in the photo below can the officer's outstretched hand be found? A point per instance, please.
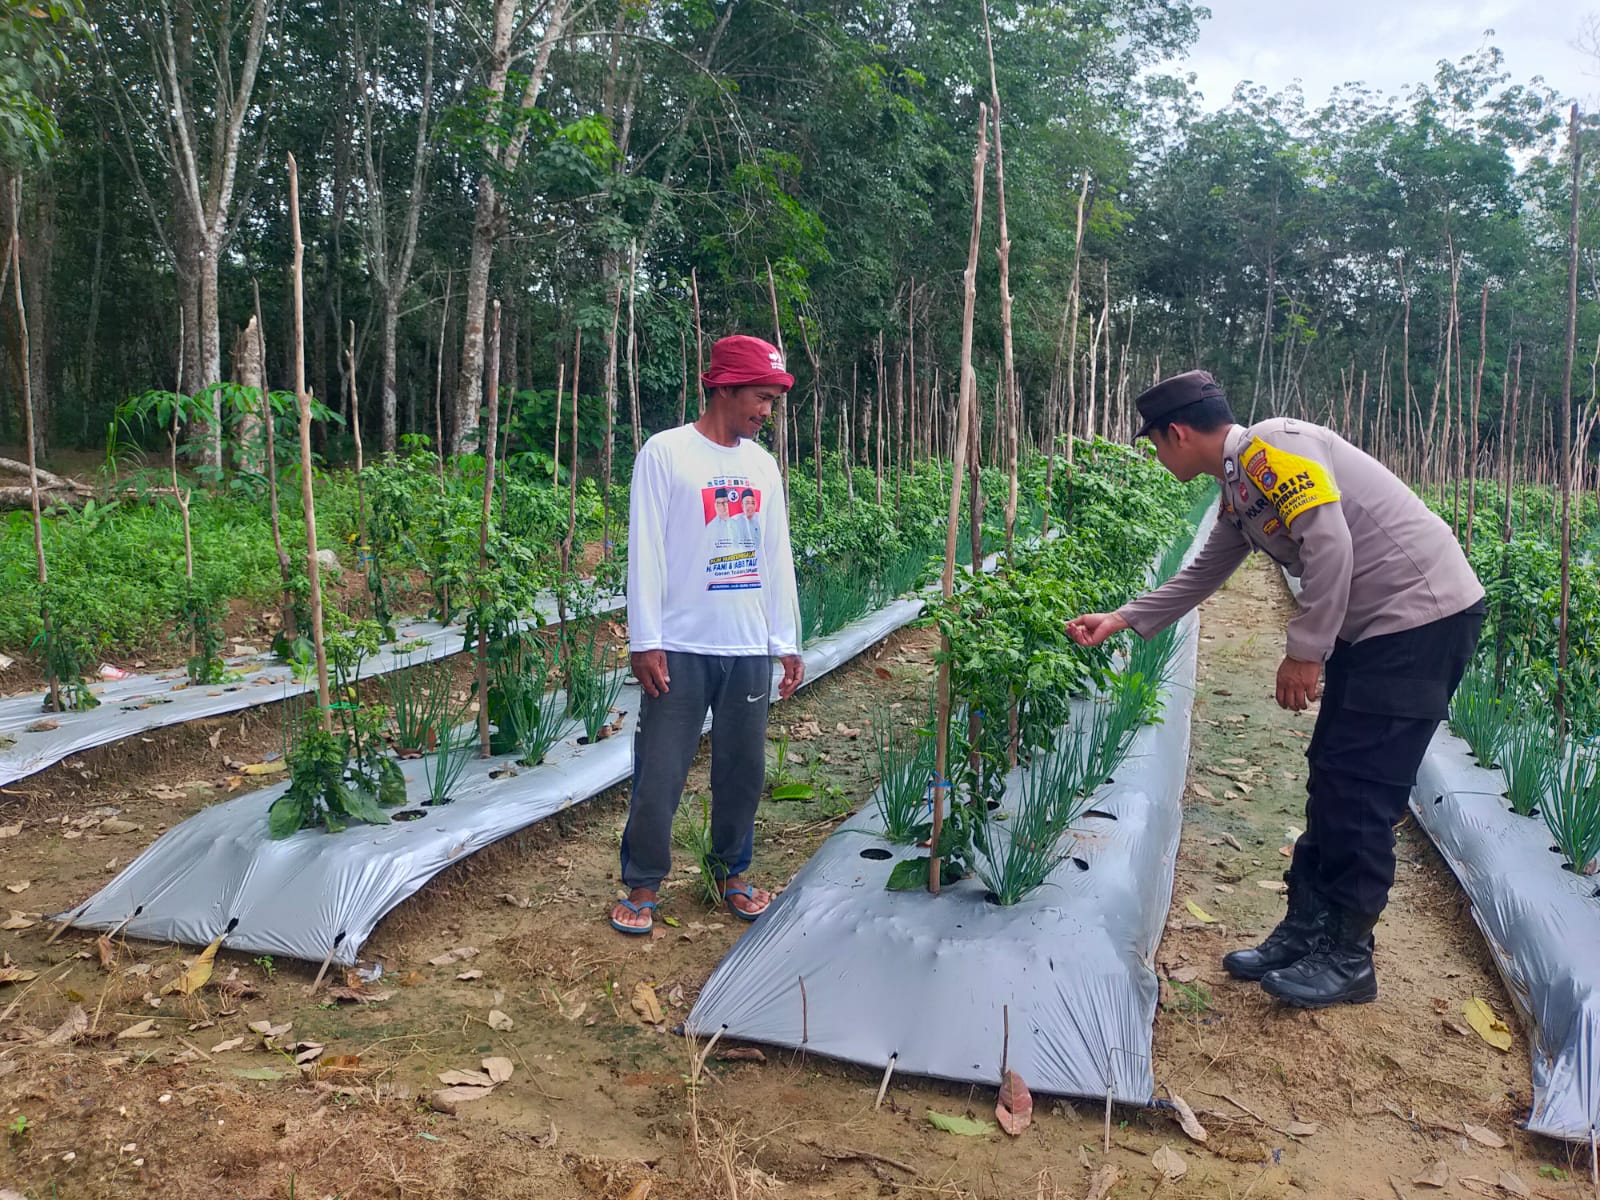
(1093, 628)
(1298, 683)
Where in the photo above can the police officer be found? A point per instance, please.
(1390, 613)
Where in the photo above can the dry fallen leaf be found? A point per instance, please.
(1103, 1181)
(499, 1020)
(10, 831)
(1435, 1176)
(741, 1054)
(1272, 885)
(198, 974)
(1511, 1183)
(19, 887)
(499, 1069)
(1170, 1163)
(118, 825)
(1014, 1107)
(76, 1024)
(459, 954)
(18, 920)
(1198, 913)
(230, 1044)
(646, 1005)
(144, 1029)
(469, 976)
(447, 1100)
(264, 768)
(17, 975)
(1484, 1136)
(1185, 975)
(1298, 1128)
(1486, 1024)
(1232, 841)
(455, 1078)
(1192, 1128)
(639, 1191)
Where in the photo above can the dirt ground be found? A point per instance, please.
(111, 1086)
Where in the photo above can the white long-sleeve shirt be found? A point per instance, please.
(696, 583)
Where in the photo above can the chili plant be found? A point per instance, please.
(65, 654)
(197, 617)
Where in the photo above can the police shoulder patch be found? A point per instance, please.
(1292, 483)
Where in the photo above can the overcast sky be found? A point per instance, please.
(1385, 44)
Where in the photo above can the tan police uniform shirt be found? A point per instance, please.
(1370, 556)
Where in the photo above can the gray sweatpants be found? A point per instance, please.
(738, 693)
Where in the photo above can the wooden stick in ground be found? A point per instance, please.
(633, 348)
(270, 469)
(782, 415)
(608, 446)
(1008, 375)
(816, 409)
(303, 403)
(1477, 398)
(355, 432)
(438, 419)
(1568, 354)
(1071, 423)
(964, 404)
(25, 357)
(883, 1084)
(699, 344)
(490, 427)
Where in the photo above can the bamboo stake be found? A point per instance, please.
(1008, 374)
(438, 421)
(572, 491)
(633, 347)
(303, 403)
(491, 427)
(355, 429)
(783, 400)
(28, 432)
(1569, 353)
(608, 446)
(699, 348)
(1072, 336)
(561, 403)
(683, 387)
(964, 404)
(1477, 399)
(270, 467)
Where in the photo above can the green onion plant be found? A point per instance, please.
(1572, 810)
(905, 768)
(1478, 715)
(1527, 757)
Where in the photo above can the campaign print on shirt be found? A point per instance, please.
(732, 534)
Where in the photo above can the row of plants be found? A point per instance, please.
(1023, 693)
(1505, 708)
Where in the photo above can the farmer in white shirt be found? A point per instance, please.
(707, 614)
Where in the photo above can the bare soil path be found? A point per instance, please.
(600, 1104)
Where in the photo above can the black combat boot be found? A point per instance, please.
(1337, 971)
(1291, 941)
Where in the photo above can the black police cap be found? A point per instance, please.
(1172, 395)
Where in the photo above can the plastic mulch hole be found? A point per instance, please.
(1555, 849)
(410, 814)
(1081, 863)
(439, 803)
(993, 804)
(877, 854)
(1438, 799)
(1102, 813)
(1110, 779)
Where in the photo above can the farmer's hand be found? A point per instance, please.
(1093, 628)
(794, 673)
(650, 669)
(1298, 683)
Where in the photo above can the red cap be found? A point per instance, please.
(744, 361)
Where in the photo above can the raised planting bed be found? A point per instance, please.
(842, 966)
(316, 894)
(1541, 921)
(32, 739)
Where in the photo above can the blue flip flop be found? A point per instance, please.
(642, 906)
(749, 893)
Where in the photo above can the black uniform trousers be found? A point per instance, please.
(1382, 701)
